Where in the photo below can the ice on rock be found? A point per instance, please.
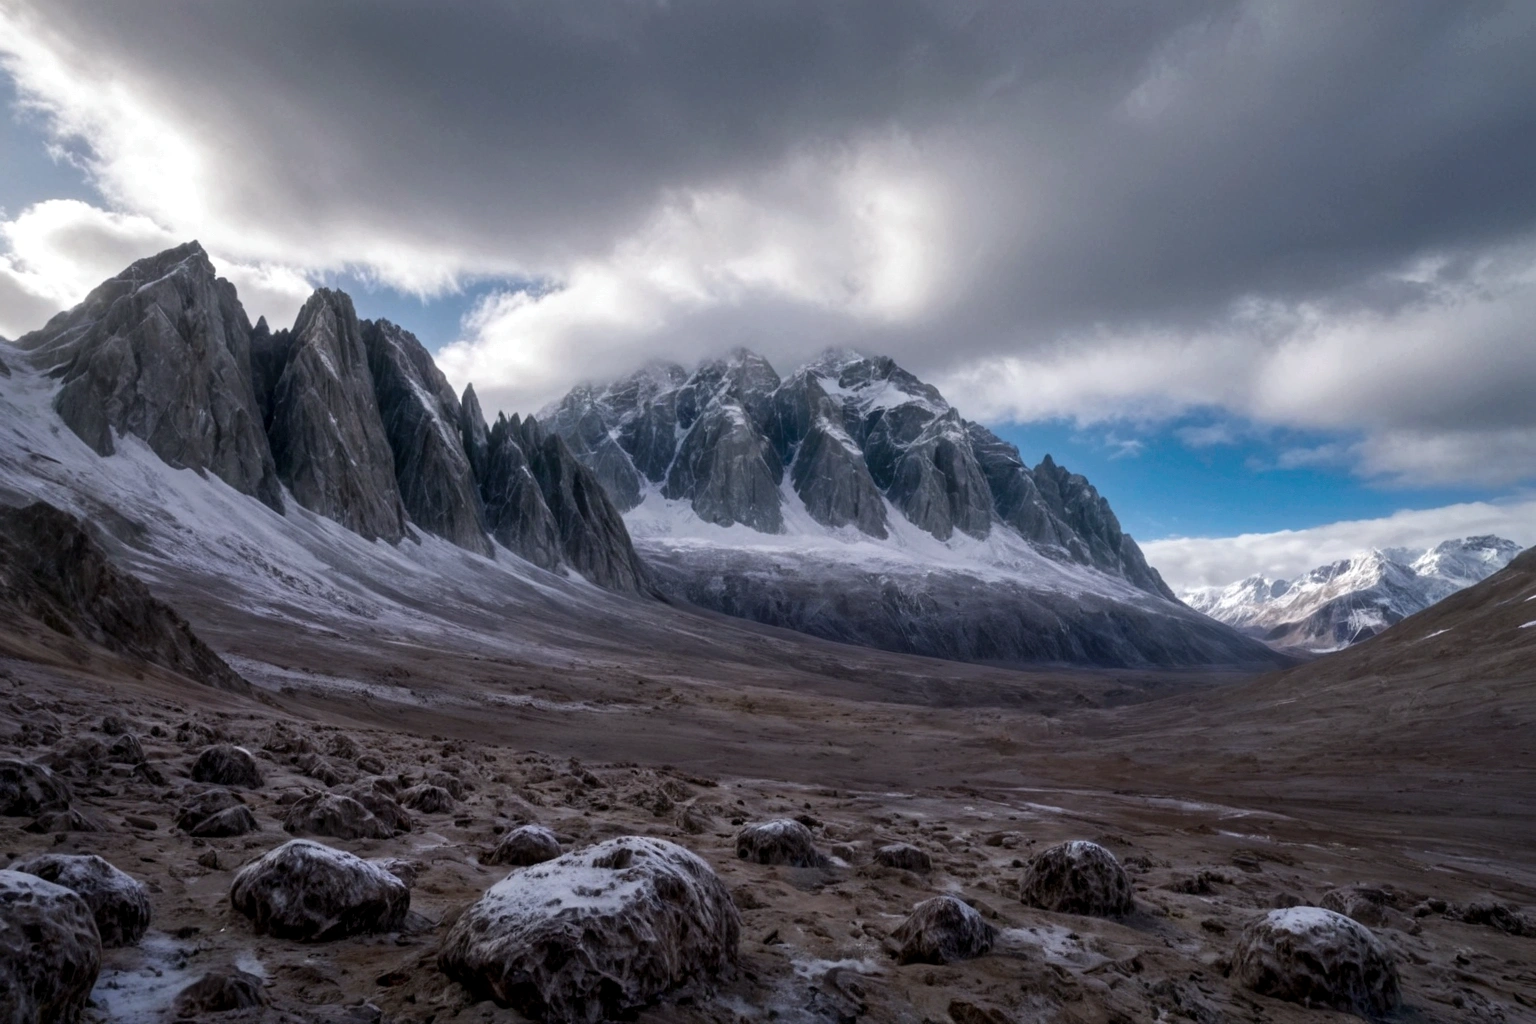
(50, 952)
(596, 934)
(1318, 958)
(1077, 877)
(118, 901)
(312, 892)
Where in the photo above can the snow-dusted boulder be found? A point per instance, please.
(525, 845)
(783, 841)
(941, 931)
(1078, 877)
(308, 891)
(28, 790)
(50, 952)
(595, 934)
(118, 901)
(225, 764)
(215, 813)
(903, 856)
(374, 795)
(220, 992)
(331, 814)
(1317, 958)
(428, 799)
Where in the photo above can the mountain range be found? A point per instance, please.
(1339, 604)
(848, 500)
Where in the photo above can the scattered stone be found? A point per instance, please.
(1078, 877)
(428, 799)
(308, 891)
(112, 725)
(216, 813)
(381, 805)
(1503, 916)
(324, 771)
(219, 992)
(140, 822)
(1366, 904)
(28, 790)
(695, 820)
(904, 856)
(941, 931)
(331, 814)
(225, 764)
(525, 845)
(126, 750)
(50, 952)
(452, 783)
(371, 764)
(596, 934)
(784, 841)
(1318, 958)
(71, 819)
(118, 901)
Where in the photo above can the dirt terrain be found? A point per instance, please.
(1222, 797)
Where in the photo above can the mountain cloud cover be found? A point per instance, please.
(1301, 213)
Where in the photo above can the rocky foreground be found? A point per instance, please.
(255, 864)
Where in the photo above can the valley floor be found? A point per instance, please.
(1218, 814)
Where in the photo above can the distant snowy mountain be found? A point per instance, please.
(851, 501)
(1351, 600)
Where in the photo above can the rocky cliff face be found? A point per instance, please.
(422, 420)
(880, 516)
(162, 352)
(859, 439)
(53, 572)
(544, 504)
(327, 435)
(353, 417)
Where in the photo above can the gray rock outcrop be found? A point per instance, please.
(782, 841)
(596, 935)
(942, 930)
(28, 790)
(215, 814)
(225, 764)
(119, 902)
(311, 892)
(220, 992)
(525, 845)
(162, 352)
(424, 423)
(515, 510)
(52, 571)
(334, 815)
(727, 470)
(1320, 959)
(1078, 877)
(428, 799)
(327, 436)
(904, 857)
(50, 952)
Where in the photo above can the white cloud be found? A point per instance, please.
(1187, 562)
(57, 251)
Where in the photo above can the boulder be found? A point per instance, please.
(904, 856)
(784, 841)
(219, 992)
(225, 764)
(1077, 878)
(28, 790)
(50, 952)
(1318, 958)
(126, 749)
(308, 891)
(215, 813)
(331, 814)
(595, 935)
(118, 901)
(1367, 904)
(941, 931)
(525, 845)
(1506, 917)
(381, 805)
(428, 799)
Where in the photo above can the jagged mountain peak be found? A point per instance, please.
(1352, 598)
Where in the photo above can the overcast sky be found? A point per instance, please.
(1306, 226)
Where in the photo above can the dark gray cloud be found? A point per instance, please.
(1098, 170)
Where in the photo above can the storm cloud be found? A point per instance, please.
(1310, 214)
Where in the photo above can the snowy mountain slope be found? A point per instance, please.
(1345, 602)
(851, 501)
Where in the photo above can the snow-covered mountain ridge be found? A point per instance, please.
(1350, 600)
(850, 500)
